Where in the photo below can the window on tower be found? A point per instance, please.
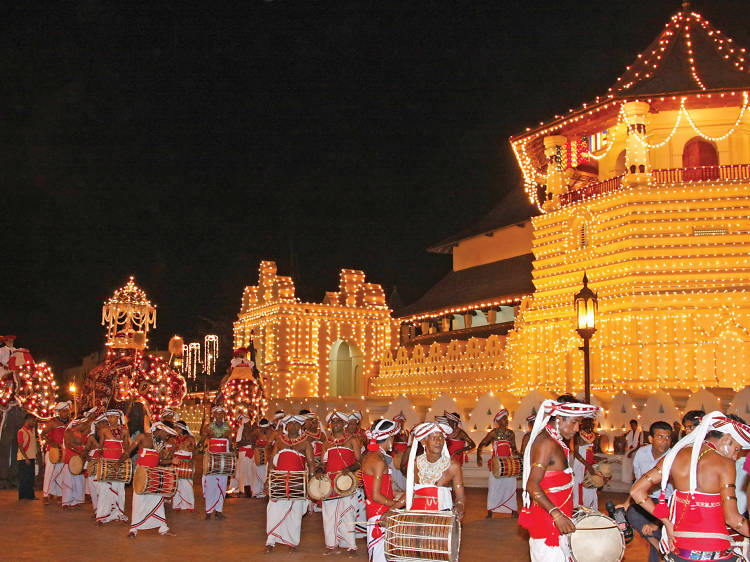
(700, 160)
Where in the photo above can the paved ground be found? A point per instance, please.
(33, 531)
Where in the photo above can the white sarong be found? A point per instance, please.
(501, 494)
(259, 482)
(72, 488)
(52, 477)
(586, 497)
(214, 490)
(111, 504)
(375, 545)
(338, 522)
(184, 498)
(92, 489)
(148, 513)
(284, 521)
(245, 472)
(360, 521)
(541, 552)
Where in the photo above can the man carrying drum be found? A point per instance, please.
(93, 452)
(431, 476)
(112, 433)
(354, 429)
(458, 442)
(315, 435)
(54, 435)
(184, 444)
(377, 481)
(291, 452)
(702, 467)
(548, 478)
(75, 450)
(260, 439)
(218, 433)
(245, 459)
(341, 458)
(400, 445)
(501, 490)
(148, 509)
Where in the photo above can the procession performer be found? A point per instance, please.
(245, 473)
(341, 453)
(501, 492)
(292, 452)
(583, 462)
(73, 484)
(548, 478)
(261, 438)
(184, 442)
(168, 415)
(215, 485)
(458, 441)
(377, 480)
(431, 476)
(148, 509)
(113, 435)
(94, 451)
(54, 435)
(354, 429)
(702, 467)
(315, 435)
(398, 456)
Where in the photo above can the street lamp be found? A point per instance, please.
(72, 389)
(585, 305)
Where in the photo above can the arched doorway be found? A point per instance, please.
(345, 370)
(700, 160)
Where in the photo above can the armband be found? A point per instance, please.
(539, 465)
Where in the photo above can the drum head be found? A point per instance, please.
(75, 465)
(597, 539)
(319, 487)
(139, 480)
(54, 455)
(345, 484)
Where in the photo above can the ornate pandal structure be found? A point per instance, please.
(128, 314)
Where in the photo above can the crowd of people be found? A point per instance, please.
(687, 501)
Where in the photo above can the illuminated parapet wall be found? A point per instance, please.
(314, 349)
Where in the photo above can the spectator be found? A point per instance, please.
(676, 432)
(633, 441)
(26, 457)
(691, 420)
(646, 458)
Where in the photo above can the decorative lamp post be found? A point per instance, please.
(585, 305)
(73, 390)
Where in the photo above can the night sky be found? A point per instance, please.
(184, 144)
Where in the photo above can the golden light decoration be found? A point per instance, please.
(191, 360)
(128, 315)
(211, 353)
(37, 390)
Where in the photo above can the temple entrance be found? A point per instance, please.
(345, 370)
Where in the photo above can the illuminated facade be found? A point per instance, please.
(647, 190)
(314, 349)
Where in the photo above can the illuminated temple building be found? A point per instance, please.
(647, 190)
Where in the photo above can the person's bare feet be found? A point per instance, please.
(168, 534)
(269, 548)
(131, 535)
(489, 515)
(219, 515)
(328, 551)
(292, 549)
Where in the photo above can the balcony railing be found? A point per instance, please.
(728, 172)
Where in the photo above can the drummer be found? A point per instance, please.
(260, 439)
(218, 433)
(501, 492)
(112, 432)
(73, 484)
(245, 473)
(377, 480)
(291, 451)
(341, 455)
(548, 478)
(54, 434)
(583, 463)
(400, 444)
(432, 476)
(458, 442)
(93, 452)
(354, 428)
(315, 434)
(702, 467)
(184, 445)
(148, 509)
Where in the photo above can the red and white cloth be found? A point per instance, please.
(419, 433)
(184, 498)
(284, 517)
(110, 505)
(148, 509)
(501, 492)
(215, 485)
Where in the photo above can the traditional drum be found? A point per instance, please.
(113, 470)
(55, 455)
(319, 487)
(345, 483)
(422, 535)
(599, 478)
(184, 469)
(75, 465)
(597, 538)
(260, 456)
(505, 467)
(287, 485)
(159, 480)
(219, 463)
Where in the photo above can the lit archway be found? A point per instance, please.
(345, 370)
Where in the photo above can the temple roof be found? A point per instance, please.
(689, 55)
(506, 279)
(514, 208)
